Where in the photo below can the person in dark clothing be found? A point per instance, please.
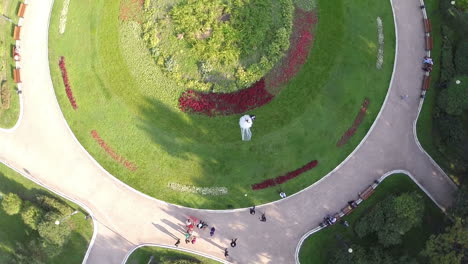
(177, 243)
(252, 210)
(212, 231)
(263, 218)
(226, 253)
(233, 242)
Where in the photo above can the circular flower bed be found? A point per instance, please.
(216, 45)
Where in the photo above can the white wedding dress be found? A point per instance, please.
(245, 123)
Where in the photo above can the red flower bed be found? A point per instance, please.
(357, 121)
(66, 82)
(284, 178)
(300, 44)
(225, 103)
(112, 153)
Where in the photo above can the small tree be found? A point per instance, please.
(11, 204)
(392, 218)
(31, 215)
(460, 208)
(51, 232)
(52, 204)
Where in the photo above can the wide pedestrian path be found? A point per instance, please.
(43, 148)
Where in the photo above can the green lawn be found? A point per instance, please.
(13, 230)
(317, 247)
(121, 93)
(9, 8)
(143, 255)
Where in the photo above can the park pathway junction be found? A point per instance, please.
(42, 148)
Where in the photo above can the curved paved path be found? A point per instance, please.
(43, 145)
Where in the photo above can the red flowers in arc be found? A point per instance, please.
(284, 178)
(300, 43)
(129, 165)
(357, 121)
(66, 82)
(212, 104)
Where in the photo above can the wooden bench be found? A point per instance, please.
(366, 193)
(348, 209)
(22, 9)
(16, 76)
(426, 82)
(16, 33)
(427, 25)
(428, 42)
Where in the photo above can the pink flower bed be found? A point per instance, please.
(284, 178)
(211, 104)
(357, 121)
(300, 45)
(129, 165)
(66, 82)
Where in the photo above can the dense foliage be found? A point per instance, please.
(451, 111)
(392, 218)
(216, 45)
(11, 204)
(40, 215)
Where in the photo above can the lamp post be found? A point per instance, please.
(57, 222)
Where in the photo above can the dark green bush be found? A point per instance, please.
(52, 204)
(461, 57)
(31, 215)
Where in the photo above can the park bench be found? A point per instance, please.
(426, 82)
(348, 209)
(427, 25)
(21, 10)
(16, 33)
(366, 193)
(428, 42)
(17, 76)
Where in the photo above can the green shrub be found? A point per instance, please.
(447, 67)
(51, 232)
(11, 204)
(461, 57)
(454, 99)
(31, 215)
(52, 204)
(392, 218)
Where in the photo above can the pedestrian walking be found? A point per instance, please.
(252, 210)
(188, 222)
(263, 218)
(194, 239)
(226, 253)
(177, 243)
(282, 194)
(212, 231)
(187, 238)
(233, 242)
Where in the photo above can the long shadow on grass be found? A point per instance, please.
(181, 136)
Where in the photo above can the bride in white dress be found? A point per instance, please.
(245, 123)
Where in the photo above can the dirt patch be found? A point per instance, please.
(131, 10)
(5, 96)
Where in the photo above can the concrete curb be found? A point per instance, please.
(173, 248)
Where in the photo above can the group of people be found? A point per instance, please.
(427, 64)
(262, 217)
(190, 224)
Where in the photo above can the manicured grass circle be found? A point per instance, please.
(183, 158)
(217, 45)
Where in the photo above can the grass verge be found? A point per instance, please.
(14, 230)
(318, 247)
